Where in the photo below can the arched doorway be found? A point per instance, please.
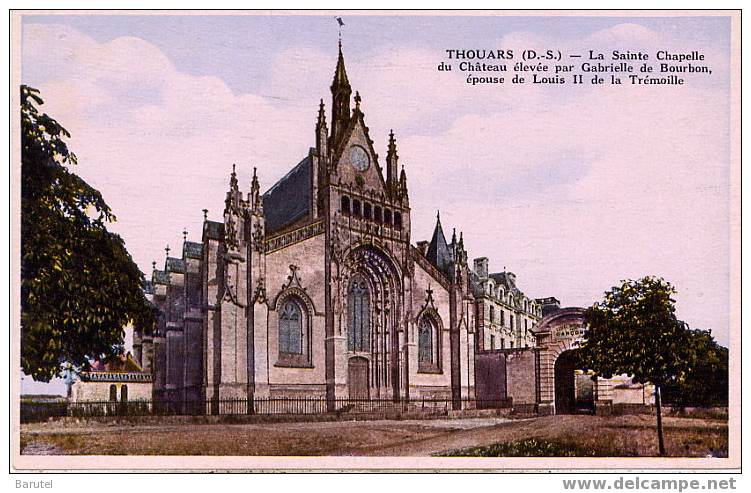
(372, 310)
(574, 388)
(565, 383)
(359, 383)
(562, 387)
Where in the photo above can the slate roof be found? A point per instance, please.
(214, 230)
(475, 283)
(507, 280)
(123, 363)
(191, 249)
(175, 264)
(148, 287)
(159, 277)
(289, 199)
(438, 250)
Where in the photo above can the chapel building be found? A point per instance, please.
(315, 289)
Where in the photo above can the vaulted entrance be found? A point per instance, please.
(565, 383)
(574, 388)
(562, 387)
(358, 380)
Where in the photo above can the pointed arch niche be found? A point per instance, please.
(372, 311)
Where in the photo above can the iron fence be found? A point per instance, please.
(42, 411)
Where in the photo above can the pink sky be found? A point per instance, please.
(571, 188)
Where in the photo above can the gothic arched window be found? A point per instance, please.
(294, 333)
(427, 345)
(358, 303)
(113, 392)
(124, 393)
(291, 328)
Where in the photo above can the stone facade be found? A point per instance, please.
(505, 316)
(314, 288)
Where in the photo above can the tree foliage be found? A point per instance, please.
(705, 381)
(79, 285)
(634, 331)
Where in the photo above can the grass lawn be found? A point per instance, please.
(522, 448)
(567, 436)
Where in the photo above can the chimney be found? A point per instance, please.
(481, 267)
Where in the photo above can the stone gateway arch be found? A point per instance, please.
(546, 378)
(558, 336)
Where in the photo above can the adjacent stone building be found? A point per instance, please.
(505, 316)
(118, 379)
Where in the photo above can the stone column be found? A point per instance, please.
(546, 382)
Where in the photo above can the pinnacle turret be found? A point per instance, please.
(255, 192)
(322, 131)
(392, 160)
(232, 202)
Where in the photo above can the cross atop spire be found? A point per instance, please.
(341, 23)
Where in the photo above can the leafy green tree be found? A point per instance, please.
(79, 285)
(705, 382)
(634, 331)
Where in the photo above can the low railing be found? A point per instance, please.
(42, 411)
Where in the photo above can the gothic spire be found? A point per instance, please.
(340, 93)
(340, 74)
